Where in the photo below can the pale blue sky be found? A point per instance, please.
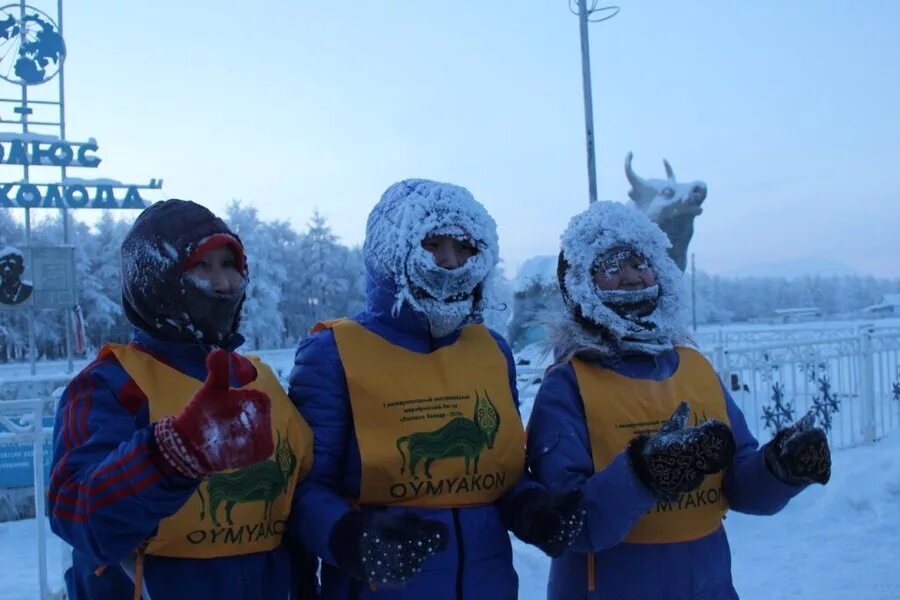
(790, 111)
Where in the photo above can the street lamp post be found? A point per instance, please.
(584, 16)
(588, 101)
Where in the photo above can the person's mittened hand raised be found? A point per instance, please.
(799, 454)
(221, 427)
(677, 458)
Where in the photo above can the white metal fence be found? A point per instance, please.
(850, 376)
(21, 421)
(737, 336)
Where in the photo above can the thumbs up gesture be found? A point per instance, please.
(221, 427)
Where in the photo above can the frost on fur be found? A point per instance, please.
(592, 234)
(407, 213)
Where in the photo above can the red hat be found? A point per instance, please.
(214, 241)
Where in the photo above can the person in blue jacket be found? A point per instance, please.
(413, 404)
(176, 458)
(635, 418)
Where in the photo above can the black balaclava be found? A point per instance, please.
(155, 294)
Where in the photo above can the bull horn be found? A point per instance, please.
(635, 181)
(669, 173)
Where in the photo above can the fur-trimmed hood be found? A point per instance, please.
(591, 326)
(407, 213)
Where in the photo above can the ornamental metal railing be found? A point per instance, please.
(850, 378)
(22, 422)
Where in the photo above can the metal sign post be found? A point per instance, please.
(33, 52)
(33, 138)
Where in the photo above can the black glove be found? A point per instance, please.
(548, 521)
(799, 454)
(677, 458)
(304, 566)
(384, 547)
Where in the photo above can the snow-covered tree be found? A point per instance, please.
(262, 323)
(327, 283)
(100, 280)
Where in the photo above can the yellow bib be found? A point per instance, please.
(435, 430)
(237, 511)
(618, 408)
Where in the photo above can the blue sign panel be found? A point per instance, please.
(73, 192)
(58, 153)
(17, 464)
(76, 195)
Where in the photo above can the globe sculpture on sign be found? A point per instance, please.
(31, 48)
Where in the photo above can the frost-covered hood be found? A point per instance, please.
(590, 325)
(407, 213)
(154, 256)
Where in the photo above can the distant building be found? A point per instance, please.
(797, 315)
(888, 307)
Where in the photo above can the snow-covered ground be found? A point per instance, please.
(19, 562)
(833, 543)
(840, 542)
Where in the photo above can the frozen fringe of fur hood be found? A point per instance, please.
(601, 227)
(407, 213)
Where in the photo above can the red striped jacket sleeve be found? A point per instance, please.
(109, 488)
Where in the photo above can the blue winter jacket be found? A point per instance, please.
(559, 455)
(109, 491)
(477, 561)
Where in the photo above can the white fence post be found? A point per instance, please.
(867, 385)
(718, 357)
(31, 432)
(719, 361)
(39, 498)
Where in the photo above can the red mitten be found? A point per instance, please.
(220, 428)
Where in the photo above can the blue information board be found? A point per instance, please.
(17, 462)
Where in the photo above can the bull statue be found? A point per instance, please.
(671, 205)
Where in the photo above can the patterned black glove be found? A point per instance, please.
(799, 454)
(548, 521)
(677, 458)
(385, 548)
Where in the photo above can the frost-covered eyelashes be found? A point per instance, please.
(611, 262)
(449, 251)
(444, 272)
(622, 268)
(429, 280)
